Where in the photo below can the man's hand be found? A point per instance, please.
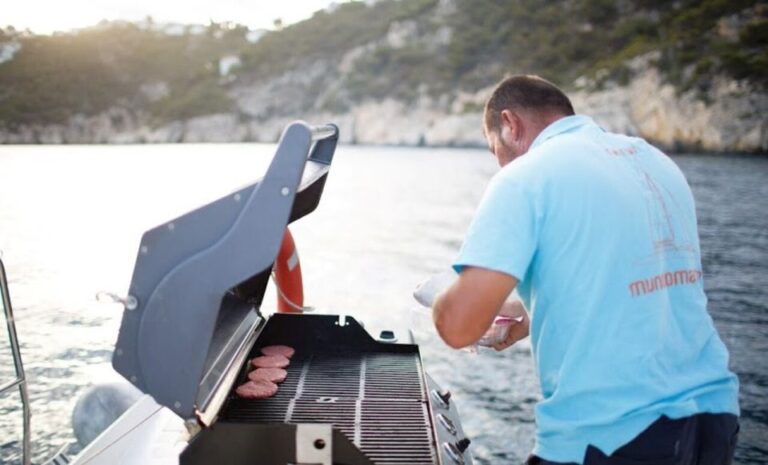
(465, 311)
(517, 330)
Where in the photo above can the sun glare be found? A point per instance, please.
(48, 16)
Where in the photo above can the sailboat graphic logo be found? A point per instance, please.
(667, 219)
(662, 230)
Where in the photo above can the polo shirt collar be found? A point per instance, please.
(561, 126)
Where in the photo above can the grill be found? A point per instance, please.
(375, 398)
(192, 323)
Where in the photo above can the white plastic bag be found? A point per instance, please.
(426, 293)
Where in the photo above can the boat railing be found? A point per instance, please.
(20, 381)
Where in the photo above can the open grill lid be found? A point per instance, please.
(198, 282)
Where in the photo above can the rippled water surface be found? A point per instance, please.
(71, 218)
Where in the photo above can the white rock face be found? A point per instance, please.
(401, 33)
(285, 93)
(457, 130)
(215, 128)
(227, 63)
(172, 132)
(732, 119)
(609, 106)
(8, 50)
(389, 122)
(154, 91)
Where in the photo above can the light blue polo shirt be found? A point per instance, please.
(600, 230)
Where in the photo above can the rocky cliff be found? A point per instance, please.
(732, 118)
(399, 82)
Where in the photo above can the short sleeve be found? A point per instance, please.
(503, 234)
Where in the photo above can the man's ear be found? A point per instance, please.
(511, 129)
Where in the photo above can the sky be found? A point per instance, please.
(47, 16)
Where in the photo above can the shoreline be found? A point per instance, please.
(680, 149)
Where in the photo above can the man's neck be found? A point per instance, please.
(537, 125)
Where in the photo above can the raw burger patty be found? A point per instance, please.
(285, 351)
(270, 361)
(275, 375)
(258, 389)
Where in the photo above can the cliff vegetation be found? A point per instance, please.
(388, 50)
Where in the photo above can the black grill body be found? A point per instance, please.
(373, 393)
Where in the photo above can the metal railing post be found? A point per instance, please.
(21, 380)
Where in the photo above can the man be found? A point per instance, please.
(598, 233)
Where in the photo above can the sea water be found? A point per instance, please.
(71, 218)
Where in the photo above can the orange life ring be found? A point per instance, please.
(287, 269)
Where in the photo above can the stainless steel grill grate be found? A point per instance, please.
(375, 399)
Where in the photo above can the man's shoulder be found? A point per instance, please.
(549, 158)
(568, 148)
(522, 169)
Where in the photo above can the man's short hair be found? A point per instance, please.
(526, 92)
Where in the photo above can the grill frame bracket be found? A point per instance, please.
(268, 444)
(314, 444)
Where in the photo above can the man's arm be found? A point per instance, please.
(465, 311)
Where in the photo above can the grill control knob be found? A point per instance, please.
(447, 423)
(442, 398)
(462, 444)
(454, 453)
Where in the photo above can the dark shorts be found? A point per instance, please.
(703, 439)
